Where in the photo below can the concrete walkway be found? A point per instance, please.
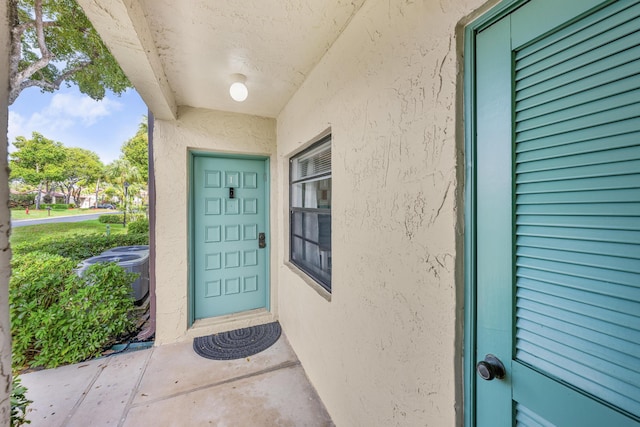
(172, 386)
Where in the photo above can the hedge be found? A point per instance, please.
(21, 200)
(80, 246)
(139, 226)
(119, 218)
(59, 318)
(58, 206)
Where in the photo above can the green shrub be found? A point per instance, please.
(111, 219)
(79, 246)
(37, 280)
(140, 226)
(19, 403)
(119, 218)
(39, 277)
(57, 206)
(59, 318)
(21, 200)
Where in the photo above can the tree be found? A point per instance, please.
(37, 161)
(99, 179)
(120, 171)
(136, 150)
(52, 42)
(80, 168)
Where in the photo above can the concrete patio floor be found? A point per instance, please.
(171, 385)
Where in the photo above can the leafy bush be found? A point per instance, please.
(21, 200)
(111, 219)
(58, 317)
(39, 277)
(119, 218)
(79, 246)
(19, 403)
(57, 206)
(133, 217)
(140, 226)
(37, 280)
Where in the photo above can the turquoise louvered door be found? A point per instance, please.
(558, 215)
(230, 213)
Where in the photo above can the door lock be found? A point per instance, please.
(262, 241)
(491, 367)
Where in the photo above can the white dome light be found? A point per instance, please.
(238, 89)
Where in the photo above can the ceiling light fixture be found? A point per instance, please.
(238, 90)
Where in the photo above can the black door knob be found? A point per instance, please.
(491, 367)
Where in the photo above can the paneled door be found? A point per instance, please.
(230, 253)
(557, 215)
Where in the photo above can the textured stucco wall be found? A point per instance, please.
(385, 350)
(5, 252)
(201, 130)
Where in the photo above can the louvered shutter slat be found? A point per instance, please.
(577, 33)
(527, 418)
(577, 193)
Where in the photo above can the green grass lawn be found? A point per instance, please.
(43, 213)
(63, 230)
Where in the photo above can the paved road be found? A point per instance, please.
(74, 218)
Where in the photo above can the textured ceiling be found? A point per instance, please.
(201, 43)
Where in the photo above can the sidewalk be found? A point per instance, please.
(172, 386)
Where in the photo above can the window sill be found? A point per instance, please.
(309, 281)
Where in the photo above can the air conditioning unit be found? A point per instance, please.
(133, 262)
(127, 249)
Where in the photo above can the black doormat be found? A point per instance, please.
(237, 344)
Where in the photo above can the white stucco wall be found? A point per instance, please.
(200, 130)
(5, 252)
(385, 351)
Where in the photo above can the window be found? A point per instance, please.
(310, 212)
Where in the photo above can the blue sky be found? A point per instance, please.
(76, 120)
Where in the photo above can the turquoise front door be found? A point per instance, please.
(557, 216)
(230, 254)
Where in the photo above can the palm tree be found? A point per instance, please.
(121, 172)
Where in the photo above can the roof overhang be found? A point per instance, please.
(186, 52)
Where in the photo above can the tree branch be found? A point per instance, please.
(45, 54)
(33, 68)
(43, 84)
(32, 35)
(17, 33)
(42, 45)
(19, 79)
(62, 77)
(16, 41)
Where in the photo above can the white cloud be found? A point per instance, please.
(64, 111)
(16, 126)
(76, 120)
(87, 110)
